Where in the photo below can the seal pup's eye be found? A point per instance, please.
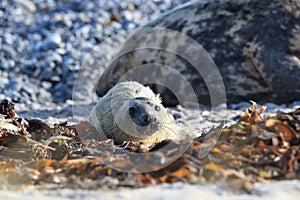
(141, 98)
(157, 108)
(149, 103)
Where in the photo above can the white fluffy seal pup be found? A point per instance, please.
(132, 112)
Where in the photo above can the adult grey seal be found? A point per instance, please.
(255, 45)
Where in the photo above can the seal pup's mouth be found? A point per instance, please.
(146, 131)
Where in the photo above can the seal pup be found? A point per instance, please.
(132, 112)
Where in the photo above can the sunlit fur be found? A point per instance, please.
(111, 117)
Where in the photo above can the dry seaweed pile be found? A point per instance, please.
(255, 149)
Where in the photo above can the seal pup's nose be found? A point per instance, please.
(131, 111)
(146, 119)
(139, 115)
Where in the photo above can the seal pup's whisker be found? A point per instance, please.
(166, 127)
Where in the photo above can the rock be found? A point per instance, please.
(27, 4)
(40, 45)
(255, 45)
(54, 38)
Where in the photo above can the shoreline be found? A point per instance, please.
(274, 190)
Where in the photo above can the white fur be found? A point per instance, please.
(110, 115)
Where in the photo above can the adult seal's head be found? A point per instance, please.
(255, 45)
(132, 112)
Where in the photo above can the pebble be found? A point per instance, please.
(205, 113)
(55, 39)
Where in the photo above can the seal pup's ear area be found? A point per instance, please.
(146, 90)
(157, 96)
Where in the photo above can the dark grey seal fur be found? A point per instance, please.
(254, 43)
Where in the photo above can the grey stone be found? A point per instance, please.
(54, 38)
(46, 84)
(30, 6)
(40, 45)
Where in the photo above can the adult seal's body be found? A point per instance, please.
(255, 45)
(132, 112)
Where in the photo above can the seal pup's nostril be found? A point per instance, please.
(154, 119)
(146, 119)
(131, 110)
